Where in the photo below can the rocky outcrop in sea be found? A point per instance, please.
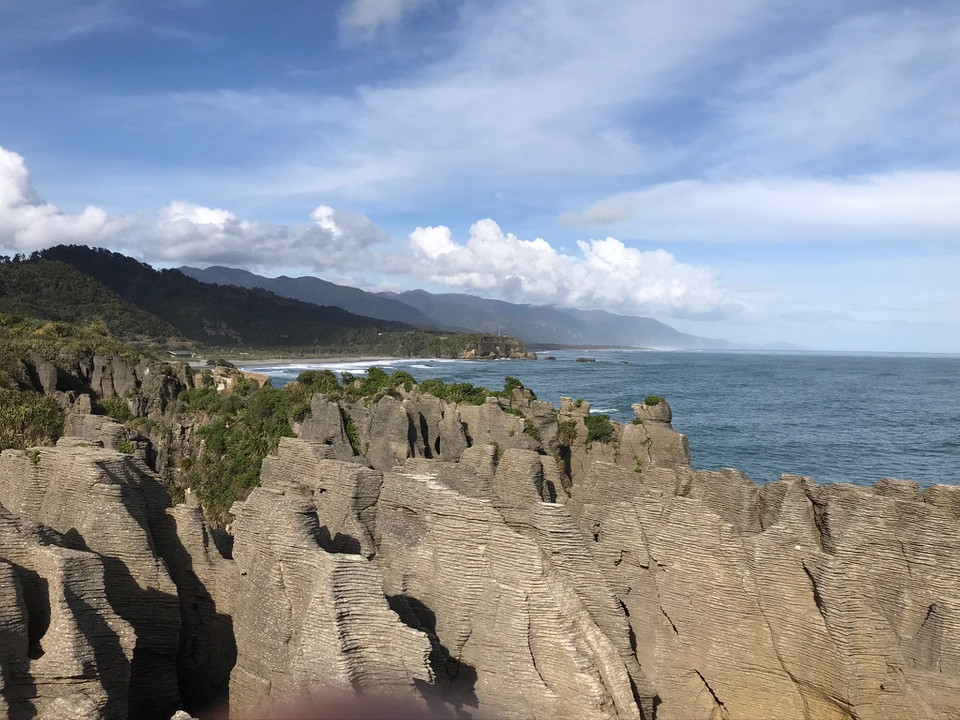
(509, 560)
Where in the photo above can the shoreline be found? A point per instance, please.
(244, 364)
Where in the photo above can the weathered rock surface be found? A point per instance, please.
(472, 561)
(109, 505)
(321, 626)
(512, 636)
(789, 600)
(64, 652)
(98, 500)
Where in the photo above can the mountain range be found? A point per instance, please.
(534, 324)
(168, 309)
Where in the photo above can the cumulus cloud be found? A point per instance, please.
(606, 274)
(184, 232)
(337, 239)
(27, 223)
(899, 204)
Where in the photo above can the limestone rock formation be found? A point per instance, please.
(787, 601)
(474, 561)
(110, 506)
(321, 626)
(64, 652)
(98, 499)
(512, 635)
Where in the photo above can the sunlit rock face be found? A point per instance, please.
(450, 574)
(115, 578)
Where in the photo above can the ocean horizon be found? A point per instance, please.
(836, 417)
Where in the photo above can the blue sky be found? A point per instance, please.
(757, 171)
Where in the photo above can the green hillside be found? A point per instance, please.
(55, 291)
(218, 314)
(166, 308)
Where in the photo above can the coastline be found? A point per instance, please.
(245, 364)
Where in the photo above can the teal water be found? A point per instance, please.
(837, 418)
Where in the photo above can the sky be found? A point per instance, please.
(753, 170)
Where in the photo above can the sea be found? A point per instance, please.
(852, 418)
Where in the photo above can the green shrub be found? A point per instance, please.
(350, 428)
(509, 385)
(126, 447)
(456, 392)
(220, 362)
(320, 381)
(352, 387)
(653, 400)
(599, 428)
(34, 456)
(205, 400)
(402, 377)
(240, 430)
(115, 407)
(568, 431)
(28, 418)
(529, 428)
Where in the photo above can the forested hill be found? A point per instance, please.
(321, 292)
(169, 310)
(54, 290)
(215, 314)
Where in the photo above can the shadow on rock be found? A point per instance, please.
(455, 684)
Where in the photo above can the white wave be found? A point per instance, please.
(605, 411)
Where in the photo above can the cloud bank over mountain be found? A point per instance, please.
(605, 275)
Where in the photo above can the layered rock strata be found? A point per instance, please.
(467, 561)
(321, 626)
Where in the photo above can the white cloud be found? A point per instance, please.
(516, 93)
(27, 223)
(183, 232)
(898, 205)
(369, 16)
(606, 274)
(880, 81)
(337, 240)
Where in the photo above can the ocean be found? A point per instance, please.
(853, 418)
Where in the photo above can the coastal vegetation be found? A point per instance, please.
(27, 419)
(232, 428)
(568, 431)
(599, 428)
(28, 416)
(58, 342)
(236, 431)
